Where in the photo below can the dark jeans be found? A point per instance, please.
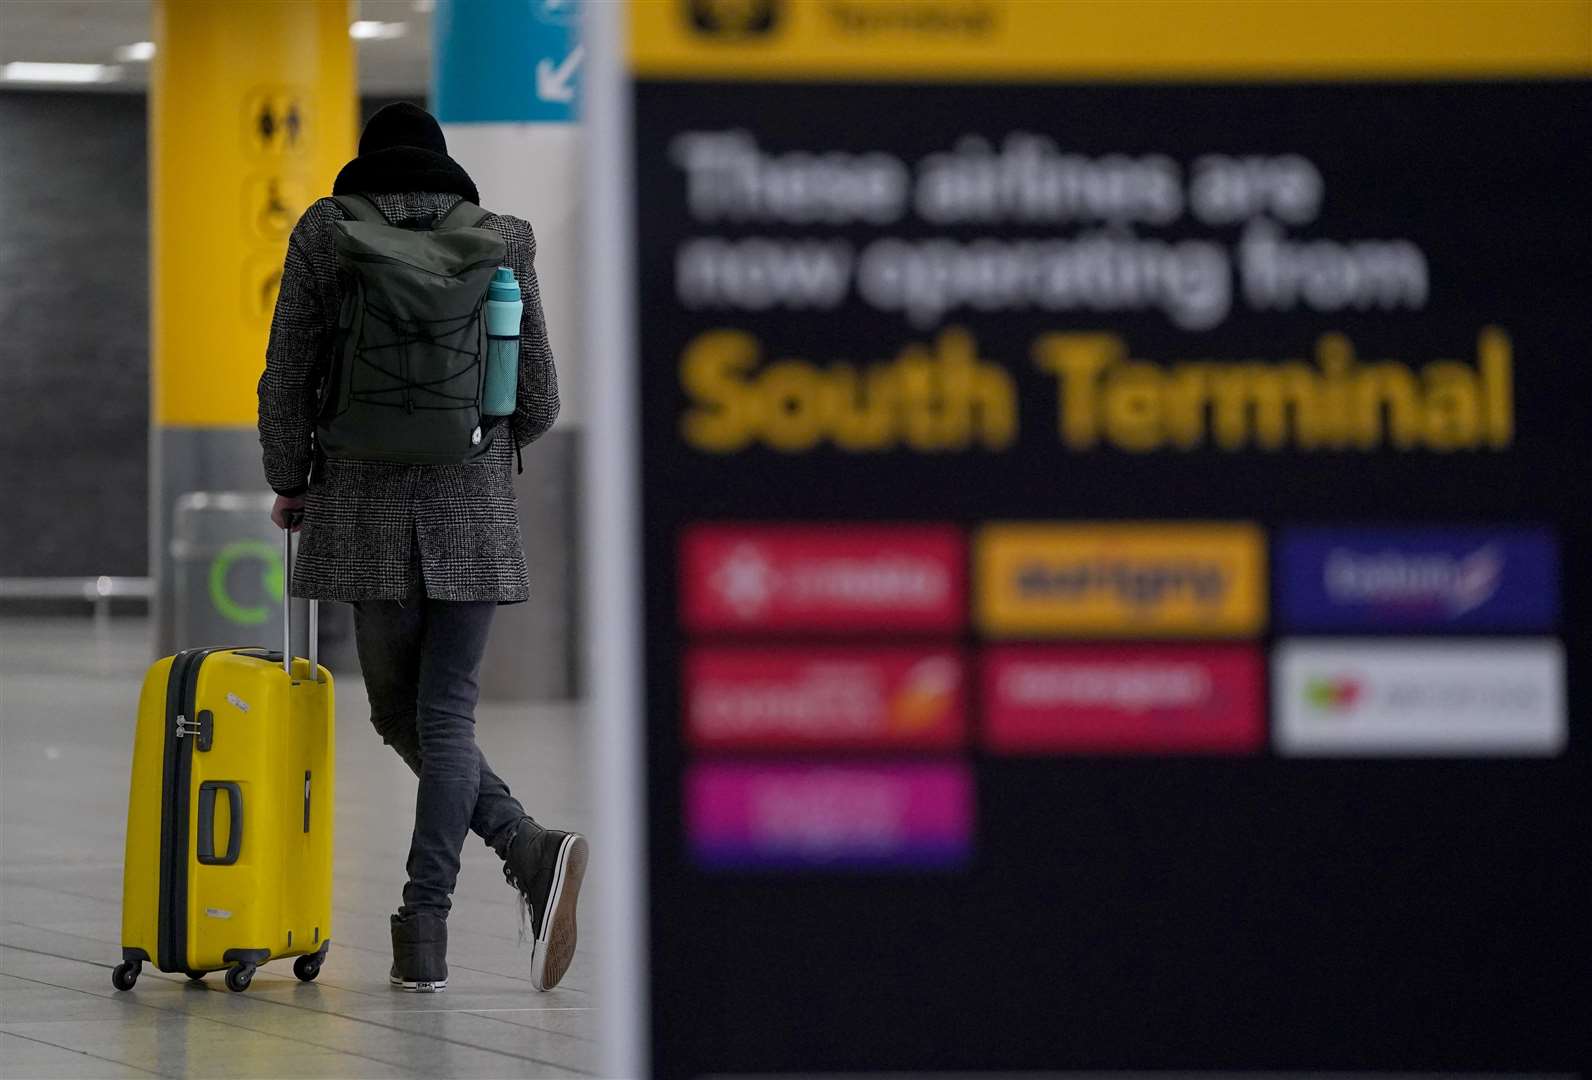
(421, 660)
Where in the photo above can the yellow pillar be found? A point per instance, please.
(252, 111)
(251, 115)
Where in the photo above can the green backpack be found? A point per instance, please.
(405, 382)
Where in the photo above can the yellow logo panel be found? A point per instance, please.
(1117, 580)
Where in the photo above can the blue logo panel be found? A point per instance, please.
(1427, 580)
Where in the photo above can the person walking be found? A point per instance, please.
(424, 552)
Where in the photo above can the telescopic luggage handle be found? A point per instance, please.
(292, 518)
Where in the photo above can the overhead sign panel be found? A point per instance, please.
(482, 49)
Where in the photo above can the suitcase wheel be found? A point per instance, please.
(196, 976)
(239, 977)
(307, 967)
(123, 976)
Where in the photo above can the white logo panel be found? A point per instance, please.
(1454, 699)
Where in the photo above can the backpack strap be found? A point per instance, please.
(465, 214)
(361, 208)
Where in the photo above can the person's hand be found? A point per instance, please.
(285, 505)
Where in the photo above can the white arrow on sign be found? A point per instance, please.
(553, 83)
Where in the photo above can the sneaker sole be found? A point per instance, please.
(418, 987)
(555, 949)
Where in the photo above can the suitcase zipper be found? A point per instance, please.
(175, 678)
(181, 689)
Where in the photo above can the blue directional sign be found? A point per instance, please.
(506, 61)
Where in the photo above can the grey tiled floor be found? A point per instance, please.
(66, 700)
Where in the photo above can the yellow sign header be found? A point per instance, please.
(944, 40)
(1111, 580)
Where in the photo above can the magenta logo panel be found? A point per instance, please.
(845, 816)
(833, 578)
(1123, 699)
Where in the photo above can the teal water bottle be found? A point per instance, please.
(503, 309)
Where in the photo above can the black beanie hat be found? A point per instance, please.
(402, 149)
(402, 124)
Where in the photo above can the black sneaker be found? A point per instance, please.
(547, 867)
(419, 953)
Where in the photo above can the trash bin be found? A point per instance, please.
(227, 563)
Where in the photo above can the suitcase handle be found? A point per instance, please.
(294, 517)
(206, 842)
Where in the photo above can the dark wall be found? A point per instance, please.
(74, 334)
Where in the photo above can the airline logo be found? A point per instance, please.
(1418, 579)
(1329, 694)
(1147, 699)
(1479, 697)
(838, 578)
(909, 815)
(1111, 580)
(824, 699)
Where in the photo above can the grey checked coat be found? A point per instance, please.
(375, 530)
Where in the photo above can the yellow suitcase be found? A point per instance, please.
(229, 823)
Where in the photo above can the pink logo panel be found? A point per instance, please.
(898, 814)
(1114, 699)
(838, 578)
(825, 699)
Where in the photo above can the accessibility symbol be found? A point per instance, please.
(276, 122)
(273, 206)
